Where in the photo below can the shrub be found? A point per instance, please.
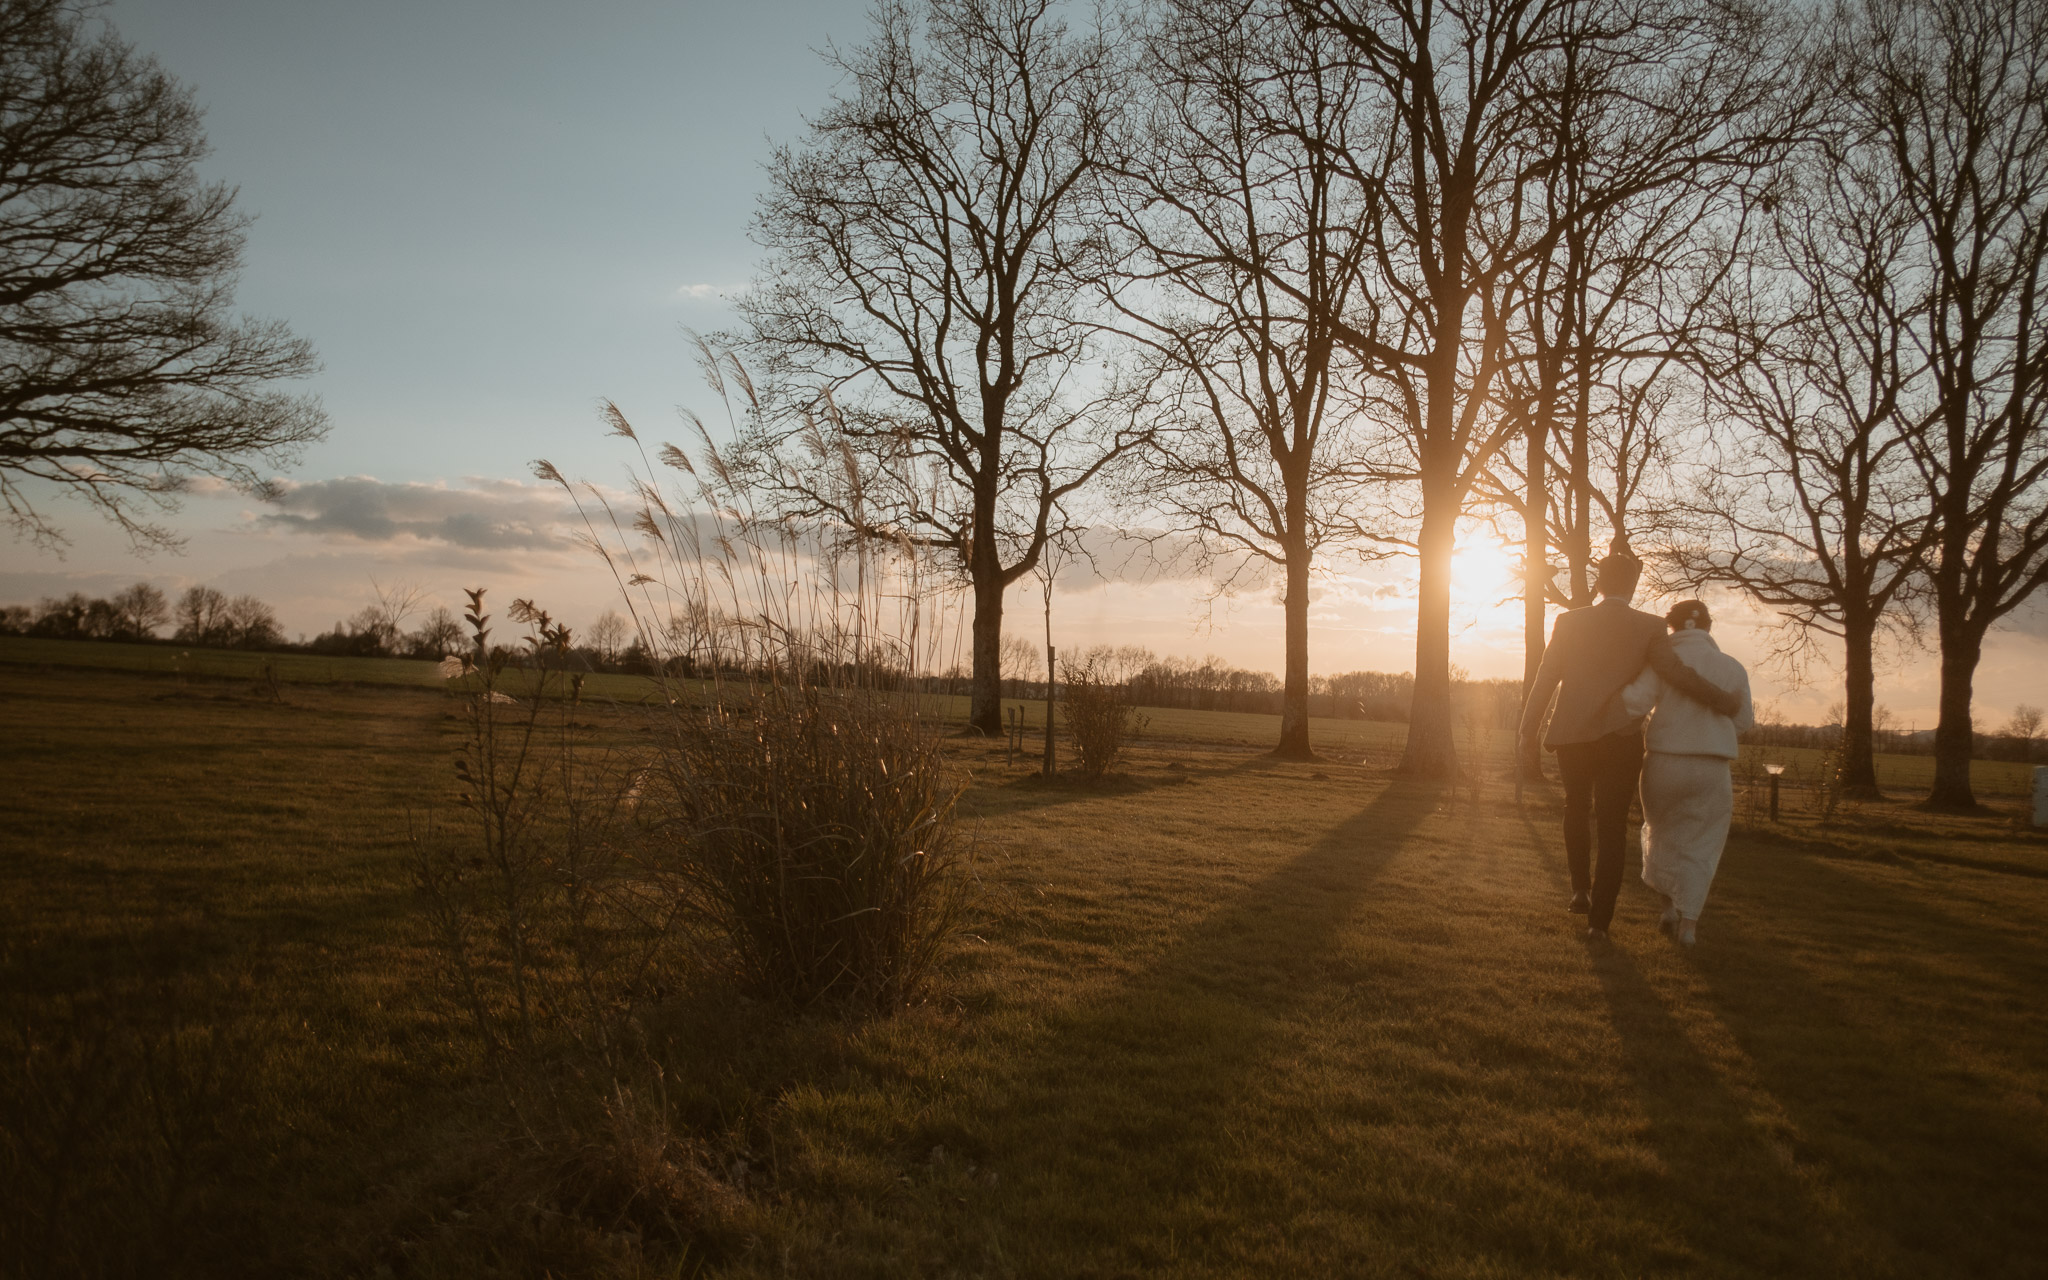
(799, 794)
(816, 832)
(1100, 717)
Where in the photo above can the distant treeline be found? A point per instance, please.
(1211, 684)
(2020, 740)
(209, 618)
(212, 619)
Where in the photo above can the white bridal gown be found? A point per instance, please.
(1687, 796)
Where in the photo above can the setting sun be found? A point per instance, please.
(1483, 572)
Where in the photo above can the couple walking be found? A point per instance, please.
(1611, 665)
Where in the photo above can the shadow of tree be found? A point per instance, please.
(1016, 796)
(1729, 1179)
(1802, 1147)
(1941, 1180)
(1173, 1053)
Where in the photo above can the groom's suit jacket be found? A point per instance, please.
(1593, 653)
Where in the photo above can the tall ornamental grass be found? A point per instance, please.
(796, 794)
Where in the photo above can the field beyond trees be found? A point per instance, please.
(1220, 1016)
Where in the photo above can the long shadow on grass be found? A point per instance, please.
(1141, 1087)
(1021, 795)
(1824, 843)
(1821, 874)
(1824, 880)
(1726, 1186)
(1915, 1140)
(1931, 1164)
(1887, 1160)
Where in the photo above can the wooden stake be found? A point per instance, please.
(1051, 683)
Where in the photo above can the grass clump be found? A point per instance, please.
(814, 830)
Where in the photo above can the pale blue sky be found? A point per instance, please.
(487, 216)
(481, 213)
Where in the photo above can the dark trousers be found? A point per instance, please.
(1599, 785)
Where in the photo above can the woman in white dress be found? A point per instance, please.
(1688, 797)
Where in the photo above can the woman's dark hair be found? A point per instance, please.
(1689, 611)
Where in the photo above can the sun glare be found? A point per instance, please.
(1482, 571)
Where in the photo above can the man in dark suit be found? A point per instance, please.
(1593, 652)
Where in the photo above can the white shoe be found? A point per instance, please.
(1687, 933)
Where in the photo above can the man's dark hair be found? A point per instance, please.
(1619, 573)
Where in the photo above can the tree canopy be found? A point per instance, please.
(124, 370)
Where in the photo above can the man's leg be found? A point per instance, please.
(1620, 764)
(1576, 764)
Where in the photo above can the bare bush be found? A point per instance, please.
(550, 928)
(1100, 716)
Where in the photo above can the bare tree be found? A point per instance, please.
(1814, 508)
(1233, 210)
(2025, 723)
(200, 614)
(437, 636)
(1448, 117)
(249, 623)
(1955, 92)
(1468, 96)
(1644, 203)
(608, 636)
(142, 609)
(920, 318)
(383, 620)
(123, 370)
(1021, 661)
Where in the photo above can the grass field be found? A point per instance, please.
(1366, 742)
(1220, 1017)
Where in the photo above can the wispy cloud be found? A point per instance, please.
(485, 514)
(704, 290)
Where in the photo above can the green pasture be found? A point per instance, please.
(1219, 1017)
(1369, 742)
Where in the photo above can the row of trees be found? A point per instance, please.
(201, 616)
(1211, 684)
(1304, 280)
(1753, 287)
(211, 618)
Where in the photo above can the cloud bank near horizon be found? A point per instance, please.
(481, 515)
(315, 551)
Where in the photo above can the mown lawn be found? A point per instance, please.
(1219, 1017)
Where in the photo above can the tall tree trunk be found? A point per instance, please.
(1535, 577)
(985, 699)
(1859, 697)
(1961, 646)
(1294, 695)
(1579, 551)
(1432, 751)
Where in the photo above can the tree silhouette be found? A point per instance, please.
(123, 371)
(1234, 208)
(919, 317)
(1953, 92)
(1812, 506)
